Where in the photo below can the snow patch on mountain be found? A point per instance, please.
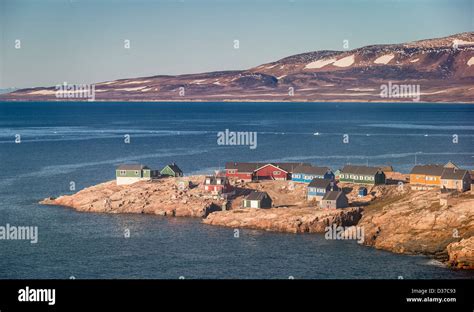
(135, 82)
(42, 92)
(384, 59)
(131, 89)
(345, 61)
(319, 63)
(457, 42)
(361, 89)
(471, 61)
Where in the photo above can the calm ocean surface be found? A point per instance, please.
(83, 142)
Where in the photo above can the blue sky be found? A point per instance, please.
(82, 41)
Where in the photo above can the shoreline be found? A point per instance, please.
(409, 222)
(236, 101)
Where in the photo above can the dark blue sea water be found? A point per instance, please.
(83, 142)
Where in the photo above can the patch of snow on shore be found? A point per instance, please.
(415, 60)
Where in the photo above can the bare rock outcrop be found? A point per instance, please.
(292, 220)
(160, 197)
(414, 222)
(461, 254)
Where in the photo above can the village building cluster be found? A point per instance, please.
(322, 184)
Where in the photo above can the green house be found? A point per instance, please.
(128, 174)
(171, 170)
(362, 175)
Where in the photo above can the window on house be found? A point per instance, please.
(276, 172)
(123, 172)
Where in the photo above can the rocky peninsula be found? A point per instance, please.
(394, 218)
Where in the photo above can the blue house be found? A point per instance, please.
(362, 191)
(317, 188)
(306, 174)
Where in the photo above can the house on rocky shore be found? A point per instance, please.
(362, 175)
(456, 179)
(306, 174)
(217, 185)
(334, 199)
(317, 188)
(362, 191)
(248, 171)
(448, 176)
(171, 170)
(128, 174)
(257, 200)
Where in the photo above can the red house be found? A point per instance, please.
(260, 171)
(241, 171)
(217, 185)
(272, 172)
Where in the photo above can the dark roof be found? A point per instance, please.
(322, 183)
(132, 167)
(289, 167)
(252, 166)
(257, 195)
(361, 170)
(453, 174)
(434, 170)
(386, 168)
(311, 170)
(213, 180)
(175, 168)
(243, 167)
(333, 195)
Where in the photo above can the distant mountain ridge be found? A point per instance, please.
(443, 68)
